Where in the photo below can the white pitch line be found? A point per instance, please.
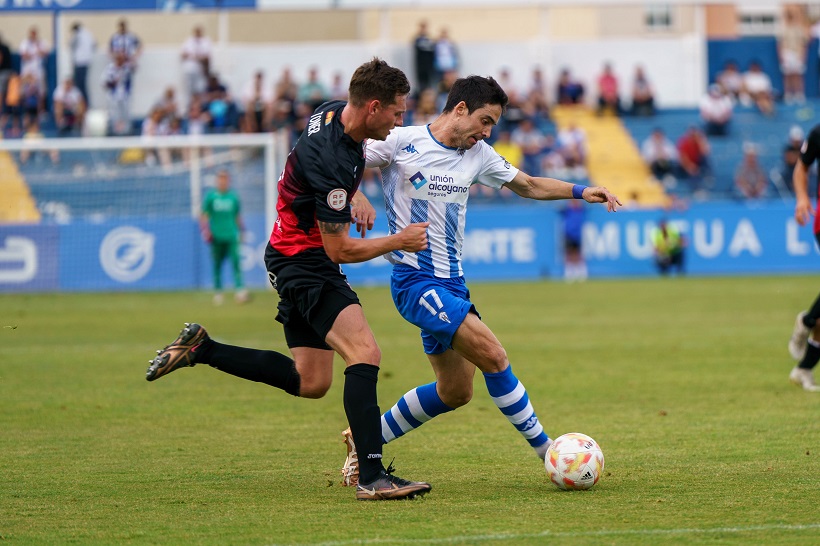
(546, 534)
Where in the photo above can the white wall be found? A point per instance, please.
(675, 66)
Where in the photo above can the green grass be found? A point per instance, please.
(682, 382)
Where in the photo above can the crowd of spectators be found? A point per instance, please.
(205, 103)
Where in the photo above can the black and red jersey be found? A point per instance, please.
(321, 174)
(809, 153)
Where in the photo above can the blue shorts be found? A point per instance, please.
(437, 306)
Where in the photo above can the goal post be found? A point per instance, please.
(95, 213)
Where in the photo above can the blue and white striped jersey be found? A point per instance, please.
(426, 181)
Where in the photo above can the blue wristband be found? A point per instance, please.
(578, 191)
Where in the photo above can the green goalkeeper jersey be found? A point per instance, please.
(223, 211)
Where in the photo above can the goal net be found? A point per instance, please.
(122, 213)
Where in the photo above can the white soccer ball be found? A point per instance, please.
(574, 461)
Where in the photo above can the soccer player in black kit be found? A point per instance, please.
(804, 345)
(320, 313)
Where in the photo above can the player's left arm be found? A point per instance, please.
(550, 189)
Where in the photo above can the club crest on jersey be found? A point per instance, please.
(337, 199)
(329, 117)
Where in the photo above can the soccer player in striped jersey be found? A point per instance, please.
(427, 172)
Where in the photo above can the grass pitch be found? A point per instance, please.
(683, 382)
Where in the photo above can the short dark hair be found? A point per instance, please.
(377, 80)
(476, 91)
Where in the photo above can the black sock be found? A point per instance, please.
(269, 367)
(813, 314)
(811, 357)
(364, 418)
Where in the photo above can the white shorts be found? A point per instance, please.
(792, 64)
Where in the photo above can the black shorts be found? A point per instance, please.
(312, 292)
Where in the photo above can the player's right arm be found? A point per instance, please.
(809, 153)
(341, 248)
(803, 211)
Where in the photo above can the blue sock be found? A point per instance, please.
(411, 411)
(511, 398)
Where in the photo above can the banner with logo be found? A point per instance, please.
(158, 254)
(28, 258)
(721, 238)
(115, 5)
(501, 242)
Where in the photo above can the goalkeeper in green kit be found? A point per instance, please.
(221, 227)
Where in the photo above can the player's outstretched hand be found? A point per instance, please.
(362, 213)
(599, 194)
(803, 211)
(414, 237)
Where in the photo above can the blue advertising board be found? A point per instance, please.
(28, 258)
(722, 238)
(503, 242)
(138, 255)
(115, 5)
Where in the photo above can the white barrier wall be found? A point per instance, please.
(676, 66)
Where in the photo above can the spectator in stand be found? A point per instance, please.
(426, 110)
(643, 95)
(572, 145)
(31, 100)
(256, 104)
(569, 91)
(6, 70)
(791, 155)
(517, 108)
(446, 54)
(196, 63)
(424, 55)
(124, 43)
(731, 80)
(312, 93)
(661, 156)
(716, 111)
(751, 181)
(154, 125)
(537, 94)
(509, 150)
(197, 119)
(447, 59)
(82, 47)
(33, 133)
(219, 105)
(608, 98)
(792, 46)
(532, 142)
(444, 86)
(117, 82)
(33, 52)
(69, 108)
(168, 104)
(758, 86)
(13, 108)
(338, 87)
(693, 159)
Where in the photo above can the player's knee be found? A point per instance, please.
(459, 398)
(313, 388)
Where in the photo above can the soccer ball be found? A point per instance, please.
(574, 461)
